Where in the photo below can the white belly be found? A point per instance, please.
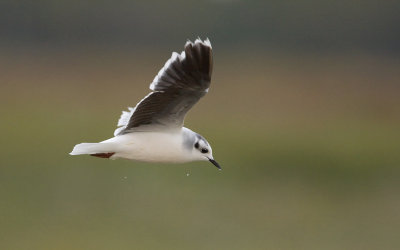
(151, 147)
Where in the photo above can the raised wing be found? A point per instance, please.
(183, 80)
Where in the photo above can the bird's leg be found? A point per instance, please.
(103, 155)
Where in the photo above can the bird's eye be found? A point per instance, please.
(204, 150)
(196, 145)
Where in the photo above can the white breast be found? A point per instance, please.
(151, 147)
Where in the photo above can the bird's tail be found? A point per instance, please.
(103, 150)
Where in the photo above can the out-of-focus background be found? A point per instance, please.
(303, 115)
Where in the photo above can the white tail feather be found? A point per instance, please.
(93, 148)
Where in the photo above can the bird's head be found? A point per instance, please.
(202, 150)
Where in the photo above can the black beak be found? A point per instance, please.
(215, 163)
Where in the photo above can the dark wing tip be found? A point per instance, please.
(189, 70)
(199, 57)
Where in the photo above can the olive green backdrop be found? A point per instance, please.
(303, 115)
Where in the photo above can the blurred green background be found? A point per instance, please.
(303, 115)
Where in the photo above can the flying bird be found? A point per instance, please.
(153, 131)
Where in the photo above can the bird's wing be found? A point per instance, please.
(183, 80)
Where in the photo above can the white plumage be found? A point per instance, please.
(152, 131)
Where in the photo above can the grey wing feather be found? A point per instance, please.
(179, 85)
(191, 69)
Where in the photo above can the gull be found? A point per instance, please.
(153, 131)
